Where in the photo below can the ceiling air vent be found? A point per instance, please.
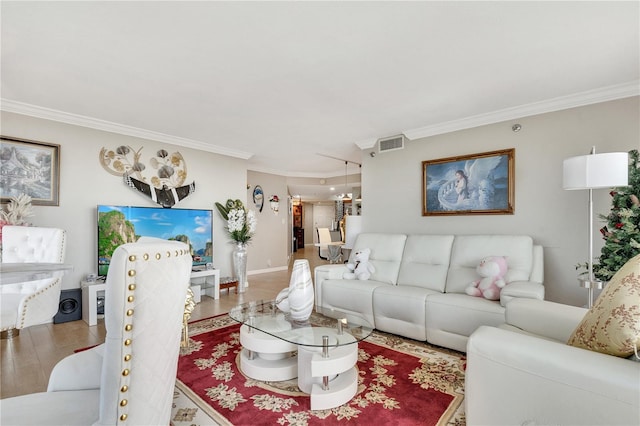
(391, 144)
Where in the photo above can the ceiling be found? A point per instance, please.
(277, 83)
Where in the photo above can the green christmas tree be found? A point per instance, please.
(622, 231)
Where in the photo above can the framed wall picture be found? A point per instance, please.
(297, 215)
(29, 167)
(470, 184)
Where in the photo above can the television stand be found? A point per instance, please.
(90, 300)
(208, 280)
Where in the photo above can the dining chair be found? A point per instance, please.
(130, 378)
(32, 302)
(324, 238)
(335, 253)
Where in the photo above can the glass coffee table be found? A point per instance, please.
(321, 352)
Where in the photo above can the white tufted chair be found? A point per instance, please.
(33, 302)
(128, 380)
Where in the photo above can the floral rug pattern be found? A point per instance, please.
(400, 381)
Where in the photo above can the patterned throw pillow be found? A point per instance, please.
(612, 325)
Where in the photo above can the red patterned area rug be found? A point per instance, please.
(401, 382)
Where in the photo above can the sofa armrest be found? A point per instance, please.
(329, 272)
(326, 272)
(515, 378)
(547, 319)
(526, 289)
(80, 371)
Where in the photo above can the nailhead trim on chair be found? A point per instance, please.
(124, 388)
(24, 310)
(128, 328)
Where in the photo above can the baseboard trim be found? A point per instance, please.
(268, 270)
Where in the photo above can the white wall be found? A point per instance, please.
(391, 188)
(310, 234)
(557, 219)
(84, 184)
(269, 249)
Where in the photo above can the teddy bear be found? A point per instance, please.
(492, 269)
(360, 269)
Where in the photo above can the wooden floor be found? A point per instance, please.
(27, 360)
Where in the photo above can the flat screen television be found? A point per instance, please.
(125, 224)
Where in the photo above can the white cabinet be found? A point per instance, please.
(90, 301)
(208, 280)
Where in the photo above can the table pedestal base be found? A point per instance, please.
(268, 370)
(327, 373)
(266, 358)
(10, 333)
(338, 371)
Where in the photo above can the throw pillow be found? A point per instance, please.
(612, 325)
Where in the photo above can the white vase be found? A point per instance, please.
(301, 294)
(282, 300)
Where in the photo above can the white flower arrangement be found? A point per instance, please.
(241, 223)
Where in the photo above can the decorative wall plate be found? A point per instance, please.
(258, 197)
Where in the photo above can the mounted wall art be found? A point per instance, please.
(470, 184)
(258, 198)
(29, 167)
(166, 185)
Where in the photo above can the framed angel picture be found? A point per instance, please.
(471, 184)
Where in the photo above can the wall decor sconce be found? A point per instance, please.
(275, 203)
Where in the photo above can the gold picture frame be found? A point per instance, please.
(476, 184)
(29, 167)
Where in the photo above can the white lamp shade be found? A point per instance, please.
(596, 171)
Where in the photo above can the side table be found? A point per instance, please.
(90, 301)
(209, 281)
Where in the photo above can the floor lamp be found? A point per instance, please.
(591, 172)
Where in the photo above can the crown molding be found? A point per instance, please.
(107, 126)
(366, 144)
(604, 94)
(609, 93)
(286, 173)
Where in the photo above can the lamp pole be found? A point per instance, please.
(594, 171)
(591, 283)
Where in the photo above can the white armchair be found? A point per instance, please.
(34, 302)
(130, 378)
(524, 373)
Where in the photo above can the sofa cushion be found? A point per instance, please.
(386, 254)
(400, 309)
(612, 325)
(451, 318)
(468, 250)
(425, 261)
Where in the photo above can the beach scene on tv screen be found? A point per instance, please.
(125, 224)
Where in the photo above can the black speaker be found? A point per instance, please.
(70, 306)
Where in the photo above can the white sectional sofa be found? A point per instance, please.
(418, 287)
(550, 382)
